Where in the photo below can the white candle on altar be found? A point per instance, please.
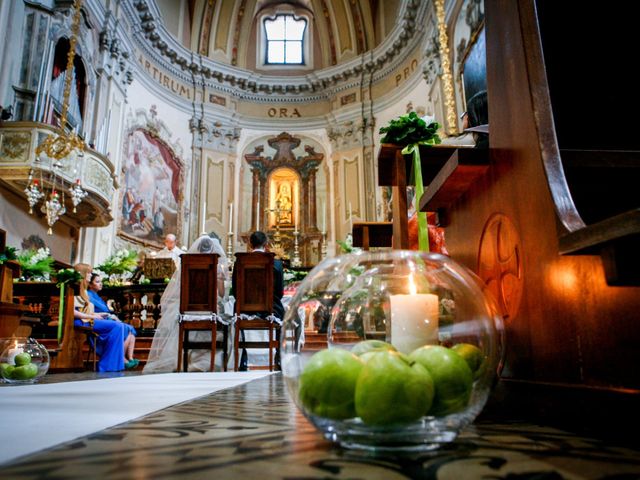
(350, 218)
(231, 217)
(324, 218)
(204, 214)
(258, 216)
(414, 320)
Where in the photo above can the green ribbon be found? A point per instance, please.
(423, 228)
(61, 311)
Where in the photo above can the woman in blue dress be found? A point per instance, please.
(111, 335)
(100, 306)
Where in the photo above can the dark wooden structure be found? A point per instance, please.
(137, 305)
(253, 283)
(43, 298)
(549, 216)
(198, 298)
(372, 234)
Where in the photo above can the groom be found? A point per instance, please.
(258, 242)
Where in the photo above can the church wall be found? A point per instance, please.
(146, 111)
(25, 230)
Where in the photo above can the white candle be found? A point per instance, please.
(324, 218)
(204, 214)
(258, 216)
(231, 217)
(296, 222)
(12, 352)
(414, 320)
(350, 218)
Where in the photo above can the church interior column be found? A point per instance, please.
(313, 224)
(304, 194)
(255, 198)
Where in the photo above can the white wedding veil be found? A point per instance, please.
(163, 356)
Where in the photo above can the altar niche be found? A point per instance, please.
(284, 197)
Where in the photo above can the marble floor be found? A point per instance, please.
(254, 431)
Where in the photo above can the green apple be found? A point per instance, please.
(371, 346)
(328, 383)
(25, 372)
(472, 355)
(22, 359)
(366, 356)
(6, 370)
(392, 389)
(451, 375)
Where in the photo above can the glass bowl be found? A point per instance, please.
(413, 348)
(22, 360)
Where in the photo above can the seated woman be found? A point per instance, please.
(111, 334)
(100, 306)
(163, 356)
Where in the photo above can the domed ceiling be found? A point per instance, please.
(228, 31)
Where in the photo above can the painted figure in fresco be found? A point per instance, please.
(150, 198)
(284, 197)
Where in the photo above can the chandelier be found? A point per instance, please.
(57, 147)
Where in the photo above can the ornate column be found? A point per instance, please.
(264, 201)
(304, 200)
(313, 224)
(255, 196)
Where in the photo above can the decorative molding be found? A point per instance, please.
(214, 136)
(447, 77)
(351, 183)
(246, 84)
(352, 133)
(215, 189)
(500, 263)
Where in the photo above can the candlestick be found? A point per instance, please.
(230, 257)
(414, 320)
(324, 218)
(231, 217)
(323, 248)
(295, 261)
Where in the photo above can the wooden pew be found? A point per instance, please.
(68, 354)
(10, 313)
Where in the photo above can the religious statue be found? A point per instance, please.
(284, 204)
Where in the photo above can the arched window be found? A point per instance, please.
(285, 39)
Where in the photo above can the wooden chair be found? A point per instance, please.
(198, 305)
(91, 339)
(253, 289)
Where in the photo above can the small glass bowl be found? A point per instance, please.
(431, 311)
(22, 360)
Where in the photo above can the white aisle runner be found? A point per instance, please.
(35, 417)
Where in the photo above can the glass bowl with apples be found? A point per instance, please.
(22, 360)
(414, 344)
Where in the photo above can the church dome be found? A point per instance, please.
(232, 32)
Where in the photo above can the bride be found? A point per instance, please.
(163, 356)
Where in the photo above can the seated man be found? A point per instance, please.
(100, 306)
(258, 242)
